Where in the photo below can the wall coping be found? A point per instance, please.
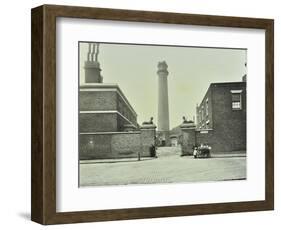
(148, 126)
(193, 128)
(200, 130)
(104, 133)
(187, 126)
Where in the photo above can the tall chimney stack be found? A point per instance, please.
(92, 66)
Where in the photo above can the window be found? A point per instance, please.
(236, 99)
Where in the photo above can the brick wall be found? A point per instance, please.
(98, 122)
(116, 145)
(125, 110)
(188, 141)
(147, 140)
(97, 100)
(109, 146)
(210, 138)
(126, 145)
(227, 127)
(101, 122)
(109, 102)
(205, 111)
(94, 146)
(121, 121)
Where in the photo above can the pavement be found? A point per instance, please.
(168, 167)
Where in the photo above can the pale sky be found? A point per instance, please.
(191, 70)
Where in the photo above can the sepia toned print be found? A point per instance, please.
(152, 114)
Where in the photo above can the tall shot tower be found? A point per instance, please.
(163, 104)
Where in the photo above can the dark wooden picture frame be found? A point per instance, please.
(43, 186)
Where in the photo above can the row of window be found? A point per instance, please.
(203, 112)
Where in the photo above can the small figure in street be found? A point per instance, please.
(195, 150)
(139, 157)
(152, 151)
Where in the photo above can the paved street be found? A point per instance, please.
(169, 167)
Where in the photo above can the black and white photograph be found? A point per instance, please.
(156, 114)
(135, 115)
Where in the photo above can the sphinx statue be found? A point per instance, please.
(148, 122)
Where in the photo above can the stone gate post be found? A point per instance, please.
(147, 136)
(188, 137)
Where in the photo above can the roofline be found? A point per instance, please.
(219, 83)
(226, 83)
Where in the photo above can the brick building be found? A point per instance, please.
(108, 125)
(103, 107)
(221, 117)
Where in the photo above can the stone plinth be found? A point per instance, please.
(147, 137)
(188, 137)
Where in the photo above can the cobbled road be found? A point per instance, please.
(168, 167)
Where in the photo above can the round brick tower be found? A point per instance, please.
(163, 104)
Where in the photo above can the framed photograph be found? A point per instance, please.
(139, 114)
